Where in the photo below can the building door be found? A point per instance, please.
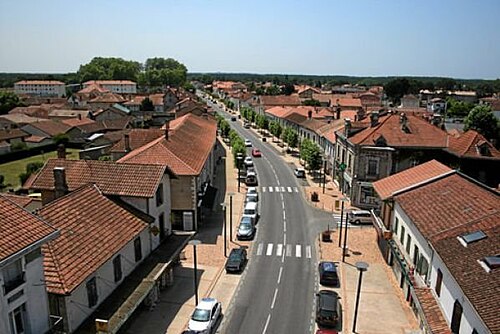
(456, 317)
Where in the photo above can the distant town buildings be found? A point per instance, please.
(42, 88)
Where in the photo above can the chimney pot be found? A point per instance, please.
(60, 185)
(347, 126)
(167, 128)
(61, 151)
(126, 139)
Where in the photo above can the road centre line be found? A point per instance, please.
(267, 323)
(274, 298)
(279, 275)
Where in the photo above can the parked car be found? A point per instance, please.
(327, 308)
(246, 125)
(252, 190)
(299, 172)
(248, 143)
(251, 198)
(236, 260)
(251, 209)
(205, 316)
(256, 153)
(251, 179)
(326, 331)
(246, 229)
(248, 161)
(359, 217)
(328, 274)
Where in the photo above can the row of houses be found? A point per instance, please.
(101, 222)
(54, 88)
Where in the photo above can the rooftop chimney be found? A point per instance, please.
(60, 185)
(61, 151)
(167, 128)
(309, 114)
(374, 118)
(126, 139)
(337, 113)
(80, 117)
(347, 126)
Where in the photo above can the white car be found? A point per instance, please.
(248, 143)
(205, 316)
(248, 161)
(253, 192)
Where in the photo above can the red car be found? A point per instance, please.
(256, 152)
(326, 331)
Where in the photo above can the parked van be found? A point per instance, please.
(359, 217)
(251, 210)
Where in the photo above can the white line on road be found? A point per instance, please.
(297, 251)
(308, 252)
(263, 189)
(282, 189)
(277, 189)
(296, 190)
(288, 250)
(289, 189)
(259, 249)
(284, 215)
(270, 189)
(274, 298)
(269, 249)
(279, 249)
(267, 323)
(284, 226)
(284, 239)
(279, 275)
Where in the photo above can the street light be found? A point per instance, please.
(361, 266)
(345, 239)
(195, 242)
(343, 199)
(224, 225)
(324, 174)
(239, 158)
(231, 194)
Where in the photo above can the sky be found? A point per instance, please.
(449, 38)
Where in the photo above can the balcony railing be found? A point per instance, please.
(14, 283)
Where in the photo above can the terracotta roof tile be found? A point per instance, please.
(39, 82)
(19, 229)
(108, 98)
(191, 139)
(51, 127)
(22, 201)
(12, 134)
(432, 312)
(137, 138)
(420, 133)
(388, 186)
(93, 229)
(467, 145)
(280, 100)
(76, 122)
(93, 88)
(111, 177)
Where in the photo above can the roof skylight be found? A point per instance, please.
(469, 238)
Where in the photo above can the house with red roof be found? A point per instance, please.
(24, 302)
(442, 233)
(187, 148)
(264, 102)
(99, 245)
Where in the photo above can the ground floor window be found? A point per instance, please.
(18, 320)
(367, 195)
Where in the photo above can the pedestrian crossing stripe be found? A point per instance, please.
(290, 250)
(276, 189)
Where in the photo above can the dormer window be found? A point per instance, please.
(490, 263)
(483, 149)
(469, 238)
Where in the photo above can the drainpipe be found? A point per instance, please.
(429, 270)
(150, 236)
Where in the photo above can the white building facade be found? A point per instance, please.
(47, 88)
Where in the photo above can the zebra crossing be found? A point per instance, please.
(289, 250)
(279, 189)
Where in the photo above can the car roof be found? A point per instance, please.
(329, 303)
(206, 303)
(251, 173)
(250, 205)
(237, 251)
(246, 217)
(300, 169)
(358, 212)
(251, 189)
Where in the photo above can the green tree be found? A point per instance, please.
(31, 168)
(275, 128)
(311, 154)
(288, 89)
(458, 108)
(262, 122)
(273, 90)
(164, 71)
(482, 120)
(147, 105)
(312, 102)
(395, 89)
(290, 137)
(8, 101)
(100, 68)
(2, 180)
(61, 138)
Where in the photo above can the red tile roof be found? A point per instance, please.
(93, 87)
(190, 141)
(111, 177)
(77, 122)
(93, 229)
(467, 145)
(51, 127)
(22, 201)
(109, 82)
(39, 82)
(108, 98)
(433, 314)
(137, 138)
(453, 206)
(12, 134)
(390, 185)
(19, 228)
(420, 133)
(280, 100)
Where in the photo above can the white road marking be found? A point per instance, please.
(289, 189)
(298, 251)
(267, 323)
(270, 189)
(288, 250)
(296, 190)
(308, 252)
(284, 226)
(263, 189)
(284, 215)
(274, 298)
(284, 239)
(259, 249)
(269, 249)
(282, 189)
(279, 275)
(279, 249)
(277, 189)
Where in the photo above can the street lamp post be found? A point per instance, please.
(239, 157)
(195, 242)
(342, 200)
(345, 239)
(231, 194)
(224, 226)
(361, 266)
(324, 174)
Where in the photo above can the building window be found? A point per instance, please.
(117, 267)
(159, 195)
(137, 249)
(367, 195)
(92, 292)
(396, 225)
(456, 318)
(408, 244)
(402, 236)
(415, 255)
(13, 276)
(18, 320)
(372, 167)
(439, 281)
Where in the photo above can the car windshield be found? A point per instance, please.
(234, 256)
(201, 315)
(245, 226)
(326, 314)
(251, 199)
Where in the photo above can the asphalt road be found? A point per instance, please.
(276, 292)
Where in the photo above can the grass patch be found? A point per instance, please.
(11, 170)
